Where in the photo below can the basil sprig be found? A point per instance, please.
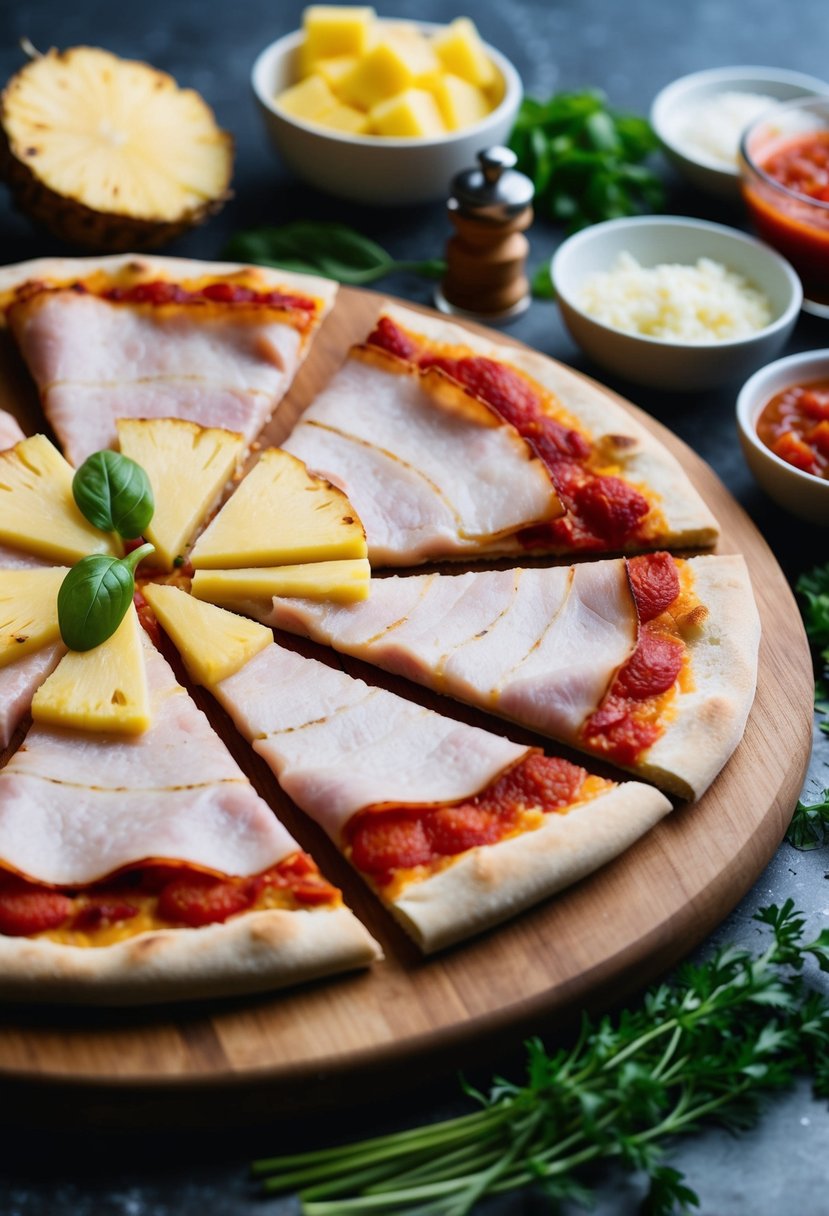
(114, 493)
(95, 595)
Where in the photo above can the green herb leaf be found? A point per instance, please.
(813, 589)
(321, 247)
(542, 283)
(810, 821)
(94, 597)
(114, 493)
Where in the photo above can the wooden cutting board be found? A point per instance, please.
(349, 1038)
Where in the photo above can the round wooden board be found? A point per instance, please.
(353, 1036)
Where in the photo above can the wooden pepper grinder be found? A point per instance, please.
(490, 208)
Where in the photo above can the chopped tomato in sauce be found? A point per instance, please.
(802, 164)
(602, 511)
(386, 839)
(794, 424)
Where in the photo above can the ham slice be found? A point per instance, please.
(538, 646)
(426, 481)
(173, 793)
(337, 745)
(10, 432)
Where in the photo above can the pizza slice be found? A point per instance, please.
(649, 662)
(449, 445)
(153, 337)
(167, 878)
(455, 829)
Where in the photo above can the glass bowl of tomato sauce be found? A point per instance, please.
(784, 167)
(783, 423)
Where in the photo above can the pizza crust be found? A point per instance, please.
(254, 952)
(492, 883)
(711, 719)
(646, 462)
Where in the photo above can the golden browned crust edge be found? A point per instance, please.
(492, 883)
(250, 953)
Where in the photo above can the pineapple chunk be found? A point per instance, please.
(308, 100)
(280, 514)
(413, 114)
(103, 689)
(212, 642)
(460, 103)
(396, 63)
(345, 118)
(37, 510)
(462, 53)
(187, 466)
(332, 30)
(333, 71)
(28, 610)
(344, 582)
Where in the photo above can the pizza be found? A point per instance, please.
(450, 445)
(649, 662)
(455, 828)
(153, 337)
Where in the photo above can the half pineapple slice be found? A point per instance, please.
(213, 643)
(344, 582)
(110, 153)
(28, 610)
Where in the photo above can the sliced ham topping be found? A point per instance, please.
(95, 361)
(357, 746)
(10, 432)
(18, 684)
(174, 793)
(538, 646)
(426, 480)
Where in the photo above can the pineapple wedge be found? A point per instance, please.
(37, 510)
(110, 153)
(280, 515)
(187, 465)
(344, 582)
(104, 689)
(212, 643)
(28, 611)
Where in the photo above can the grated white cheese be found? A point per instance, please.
(698, 304)
(712, 129)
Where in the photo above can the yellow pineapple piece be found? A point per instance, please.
(345, 118)
(461, 104)
(333, 71)
(28, 610)
(412, 114)
(188, 465)
(333, 30)
(344, 582)
(212, 642)
(462, 53)
(280, 515)
(394, 64)
(308, 100)
(103, 689)
(111, 153)
(37, 510)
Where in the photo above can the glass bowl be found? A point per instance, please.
(792, 220)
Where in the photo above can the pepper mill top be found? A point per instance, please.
(490, 207)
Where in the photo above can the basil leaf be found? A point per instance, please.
(114, 493)
(95, 596)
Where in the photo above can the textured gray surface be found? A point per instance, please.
(631, 50)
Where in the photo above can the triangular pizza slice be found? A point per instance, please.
(148, 868)
(152, 337)
(456, 829)
(449, 445)
(649, 662)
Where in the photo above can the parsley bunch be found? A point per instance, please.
(810, 823)
(707, 1046)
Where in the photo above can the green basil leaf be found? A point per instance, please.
(95, 596)
(114, 493)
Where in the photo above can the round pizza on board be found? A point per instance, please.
(430, 443)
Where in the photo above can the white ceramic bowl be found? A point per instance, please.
(369, 168)
(801, 493)
(674, 101)
(660, 362)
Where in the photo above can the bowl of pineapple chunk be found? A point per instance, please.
(383, 112)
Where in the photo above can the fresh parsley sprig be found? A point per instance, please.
(813, 588)
(706, 1047)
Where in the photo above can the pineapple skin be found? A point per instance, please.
(70, 220)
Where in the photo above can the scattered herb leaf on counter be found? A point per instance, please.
(813, 588)
(706, 1047)
(320, 247)
(810, 822)
(585, 158)
(542, 283)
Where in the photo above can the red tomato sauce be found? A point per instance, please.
(160, 291)
(387, 839)
(795, 426)
(183, 897)
(602, 511)
(802, 164)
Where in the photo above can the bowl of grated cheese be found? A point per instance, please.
(675, 303)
